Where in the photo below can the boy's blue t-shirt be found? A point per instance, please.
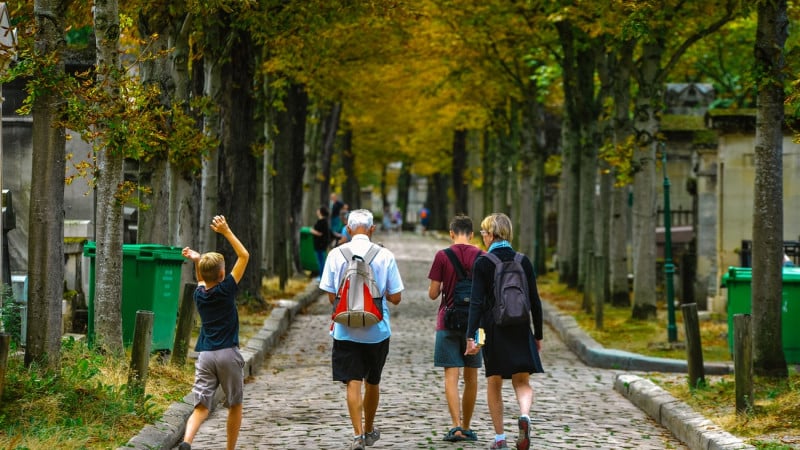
(218, 315)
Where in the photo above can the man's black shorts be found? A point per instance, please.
(357, 361)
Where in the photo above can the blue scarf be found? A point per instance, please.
(499, 244)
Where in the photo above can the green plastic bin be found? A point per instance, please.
(151, 278)
(738, 281)
(308, 258)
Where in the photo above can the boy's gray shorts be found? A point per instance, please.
(216, 368)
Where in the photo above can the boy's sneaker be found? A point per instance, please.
(524, 439)
(358, 443)
(184, 446)
(499, 444)
(371, 437)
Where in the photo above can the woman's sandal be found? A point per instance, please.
(469, 435)
(451, 435)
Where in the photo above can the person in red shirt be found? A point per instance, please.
(450, 344)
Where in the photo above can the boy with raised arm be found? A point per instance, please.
(219, 362)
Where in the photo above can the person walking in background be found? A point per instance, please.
(219, 362)
(322, 237)
(386, 219)
(359, 354)
(450, 346)
(335, 210)
(510, 351)
(397, 220)
(343, 236)
(424, 219)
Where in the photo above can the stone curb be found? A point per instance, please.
(697, 432)
(168, 431)
(595, 355)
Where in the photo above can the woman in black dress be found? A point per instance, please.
(510, 351)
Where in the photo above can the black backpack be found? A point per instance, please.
(512, 304)
(456, 315)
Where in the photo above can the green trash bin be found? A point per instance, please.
(308, 258)
(738, 281)
(151, 278)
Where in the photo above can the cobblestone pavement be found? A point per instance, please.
(292, 402)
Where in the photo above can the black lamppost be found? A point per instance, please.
(669, 268)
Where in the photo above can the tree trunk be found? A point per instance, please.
(298, 107)
(46, 215)
(330, 121)
(437, 200)
(317, 191)
(488, 145)
(238, 165)
(184, 182)
(619, 210)
(351, 189)
(644, 192)
(212, 125)
(771, 33)
(110, 174)
(569, 197)
(153, 223)
(290, 133)
(460, 186)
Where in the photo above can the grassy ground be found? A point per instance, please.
(774, 422)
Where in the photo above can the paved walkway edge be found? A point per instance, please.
(694, 430)
(168, 432)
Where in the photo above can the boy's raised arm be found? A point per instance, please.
(220, 225)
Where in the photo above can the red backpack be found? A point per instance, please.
(359, 302)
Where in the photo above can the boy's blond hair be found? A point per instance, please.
(210, 265)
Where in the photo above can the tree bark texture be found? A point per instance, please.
(46, 214)
(110, 173)
(771, 33)
(569, 198)
(459, 165)
(644, 191)
(213, 126)
(153, 223)
(238, 191)
(619, 213)
(351, 189)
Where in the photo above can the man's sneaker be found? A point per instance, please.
(524, 439)
(371, 437)
(184, 446)
(358, 443)
(499, 444)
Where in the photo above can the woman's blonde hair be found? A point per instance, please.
(210, 265)
(499, 225)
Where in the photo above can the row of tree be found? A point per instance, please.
(257, 108)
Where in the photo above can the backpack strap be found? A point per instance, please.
(462, 275)
(493, 258)
(347, 253)
(371, 253)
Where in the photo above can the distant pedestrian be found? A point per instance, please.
(397, 220)
(343, 236)
(386, 219)
(450, 346)
(335, 209)
(424, 219)
(219, 362)
(510, 351)
(322, 237)
(359, 354)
